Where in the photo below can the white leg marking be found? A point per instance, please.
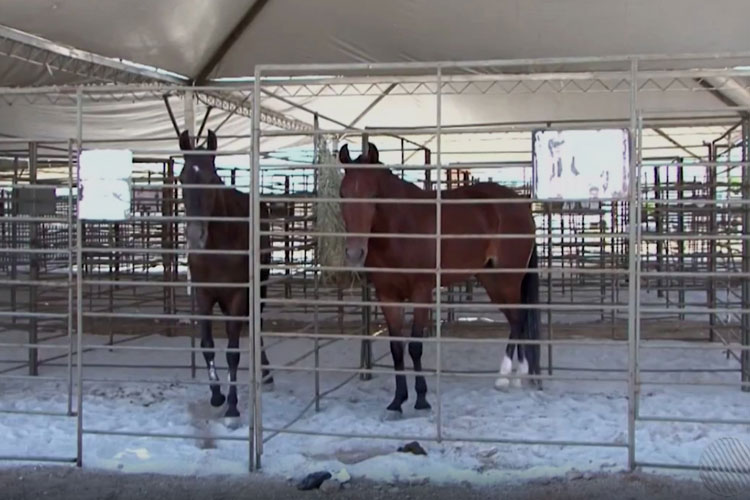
(506, 366)
(523, 369)
(212, 375)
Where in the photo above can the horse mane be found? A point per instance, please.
(389, 180)
(235, 202)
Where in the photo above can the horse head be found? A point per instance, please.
(199, 169)
(359, 183)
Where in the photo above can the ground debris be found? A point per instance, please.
(413, 447)
(313, 480)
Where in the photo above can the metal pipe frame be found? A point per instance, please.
(256, 430)
(634, 236)
(745, 361)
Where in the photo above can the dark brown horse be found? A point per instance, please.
(220, 268)
(392, 252)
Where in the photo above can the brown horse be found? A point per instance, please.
(220, 268)
(481, 218)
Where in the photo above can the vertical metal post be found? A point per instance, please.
(366, 348)
(451, 316)
(189, 106)
(563, 244)
(111, 240)
(316, 331)
(711, 171)
(288, 240)
(681, 242)
(320, 145)
(602, 259)
(639, 259)
(71, 144)
(438, 254)
(316, 277)
(745, 364)
(614, 247)
(403, 157)
(79, 282)
(256, 439)
(428, 186)
(14, 240)
(550, 333)
(659, 230)
(33, 261)
(633, 298)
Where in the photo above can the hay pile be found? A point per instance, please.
(328, 219)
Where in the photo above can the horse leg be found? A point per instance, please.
(394, 317)
(499, 293)
(415, 351)
(516, 319)
(506, 365)
(204, 306)
(233, 360)
(266, 377)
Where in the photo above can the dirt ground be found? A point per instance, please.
(57, 483)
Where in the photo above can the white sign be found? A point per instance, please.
(105, 176)
(581, 164)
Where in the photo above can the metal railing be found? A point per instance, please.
(75, 284)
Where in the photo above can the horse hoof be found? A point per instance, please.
(391, 415)
(502, 384)
(232, 423)
(422, 406)
(232, 412)
(268, 386)
(217, 400)
(516, 382)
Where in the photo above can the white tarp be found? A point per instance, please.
(105, 184)
(581, 164)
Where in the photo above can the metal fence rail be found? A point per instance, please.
(82, 277)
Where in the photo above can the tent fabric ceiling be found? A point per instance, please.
(176, 35)
(341, 31)
(181, 35)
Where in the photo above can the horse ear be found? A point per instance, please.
(185, 141)
(372, 153)
(211, 143)
(344, 156)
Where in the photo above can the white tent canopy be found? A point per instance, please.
(183, 35)
(201, 41)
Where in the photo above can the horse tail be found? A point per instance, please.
(530, 295)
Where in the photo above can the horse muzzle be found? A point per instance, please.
(355, 256)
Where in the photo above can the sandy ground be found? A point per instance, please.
(57, 483)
